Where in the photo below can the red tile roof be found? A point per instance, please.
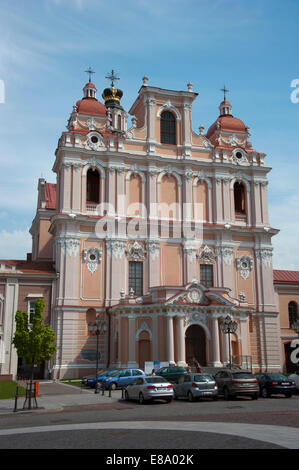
(50, 195)
(281, 276)
(33, 267)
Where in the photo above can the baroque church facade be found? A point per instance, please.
(159, 230)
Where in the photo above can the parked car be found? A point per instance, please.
(295, 377)
(148, 388)
(233, 383)
(171, 373)
(274, 383)
(122, 378)
(196, 385)
(90, 380)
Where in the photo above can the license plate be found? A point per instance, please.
(162, 388)
(285, 383)
(207, 393)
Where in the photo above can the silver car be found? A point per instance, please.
(196, 385)
(150, 387)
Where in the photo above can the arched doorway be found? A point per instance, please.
(144, 348)
(196, 344)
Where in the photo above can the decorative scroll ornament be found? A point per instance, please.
(71, 245)
(116, 247)
(245, 266)
(226, 252)
(92, 257)
(153, 248)
(264, 256)
(206, 255)
(94, 141)
(136, 251)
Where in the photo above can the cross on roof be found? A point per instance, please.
(224, 91)
(112, 77)
(90, 72)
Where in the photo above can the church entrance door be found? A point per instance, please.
(196, 344)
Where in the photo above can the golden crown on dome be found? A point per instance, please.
(112, 95)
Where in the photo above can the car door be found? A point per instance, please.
(219, 381)
(123, 379)
(178, 387)
(186, 384)
(133, 388)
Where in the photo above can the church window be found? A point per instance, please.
(119, 122)
(31, 310)
(168, 128)
(293, 313)
(239, 196)
(136, 277)
(93, 186)
(206, 275)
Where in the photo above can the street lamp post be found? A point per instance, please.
(228, 326)
(99, 328)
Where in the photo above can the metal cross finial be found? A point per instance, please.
(224, 91)
(90, 72)
(112, 77)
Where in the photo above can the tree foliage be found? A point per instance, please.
(34, 343)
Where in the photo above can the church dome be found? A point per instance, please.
(226, 122)
(89, 104)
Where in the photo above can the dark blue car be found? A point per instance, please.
(122, 378)
(274, 383)
(90, 381)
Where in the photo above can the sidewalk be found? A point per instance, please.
(57, 395)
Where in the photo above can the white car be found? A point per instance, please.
(295, 377)
(148, 388)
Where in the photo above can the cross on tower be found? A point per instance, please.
(90, 72)
(224, 92)
(112, 77)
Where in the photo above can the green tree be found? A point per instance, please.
(34, 343)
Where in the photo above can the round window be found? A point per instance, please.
(239, 155)
(92, 257)
(94, 139)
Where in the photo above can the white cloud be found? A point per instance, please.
(15, 245)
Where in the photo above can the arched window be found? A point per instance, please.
(119, 122)
(168, 128)
(93, 187)
(293, 313)
(239, 196)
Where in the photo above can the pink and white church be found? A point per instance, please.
(158, 229)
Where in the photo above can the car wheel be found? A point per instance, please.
(215, 398)
(113, 386)
(265, 393)
(288, 395)
(168, 400)
(254, 397)
(190, 396)
(226, 394)
(175, 397)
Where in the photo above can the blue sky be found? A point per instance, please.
(46, 45)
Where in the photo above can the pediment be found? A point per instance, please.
(198, 294)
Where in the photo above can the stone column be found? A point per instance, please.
(169, 339)
(215, 343)
(132, 341)
(181, 348)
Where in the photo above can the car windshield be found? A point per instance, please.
(243, 375)
(203, 378)
(155, 380)
(176, 370)
(277, 376)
